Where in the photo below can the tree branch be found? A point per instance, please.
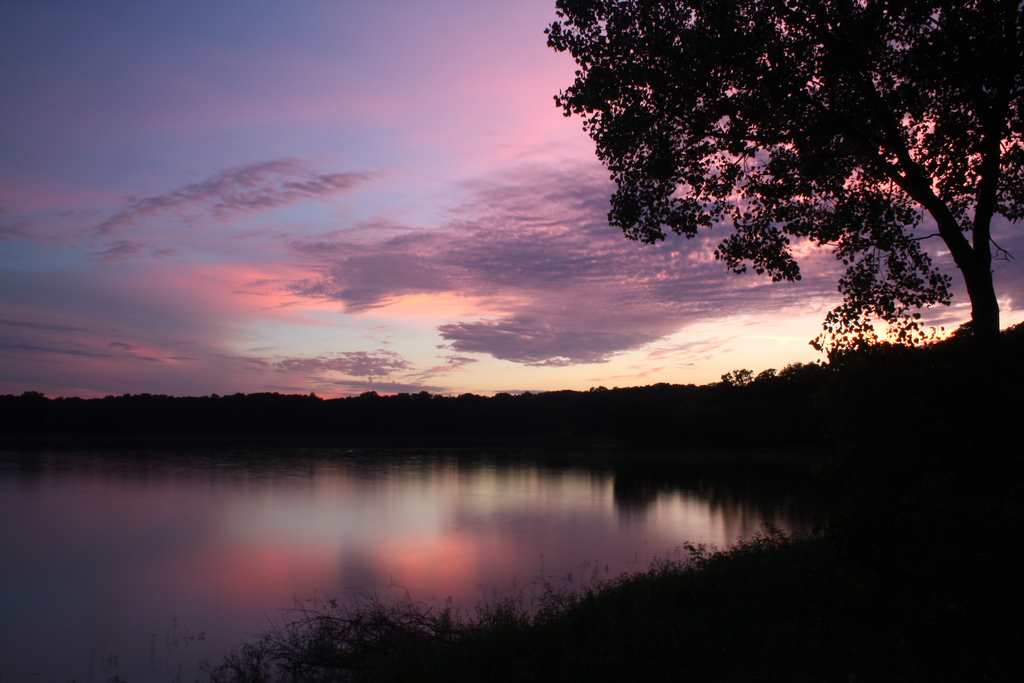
(908, 175)
(1007, 256)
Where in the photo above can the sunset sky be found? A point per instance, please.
(338, 197)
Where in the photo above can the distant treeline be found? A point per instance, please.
(886, 396)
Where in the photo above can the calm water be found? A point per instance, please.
(145, 568)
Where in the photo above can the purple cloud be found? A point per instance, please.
(451, 364)
(34, 325)
(534, 341)
(369, 364)
(14, 345)
(246, 189)
(571, 289)
(121, 249)
(12, 229)
(9, 231)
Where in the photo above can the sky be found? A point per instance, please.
(340, 197)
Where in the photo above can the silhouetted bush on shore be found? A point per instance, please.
(773, 609)
(628, 627)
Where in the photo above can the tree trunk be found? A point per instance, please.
(984, 366)
(984, 306)
(975, 265)
(986, 359)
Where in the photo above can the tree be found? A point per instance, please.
(738, 378)
(868, 126)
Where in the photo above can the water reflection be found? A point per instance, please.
(143, 566)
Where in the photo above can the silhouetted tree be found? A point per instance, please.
(738, 378)
(865, 125)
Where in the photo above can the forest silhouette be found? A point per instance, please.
(887, 396)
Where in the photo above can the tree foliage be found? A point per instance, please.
(861, 125)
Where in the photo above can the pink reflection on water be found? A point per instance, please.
(134, 557)
(448, 564)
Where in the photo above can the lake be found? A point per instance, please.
(150, 567)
